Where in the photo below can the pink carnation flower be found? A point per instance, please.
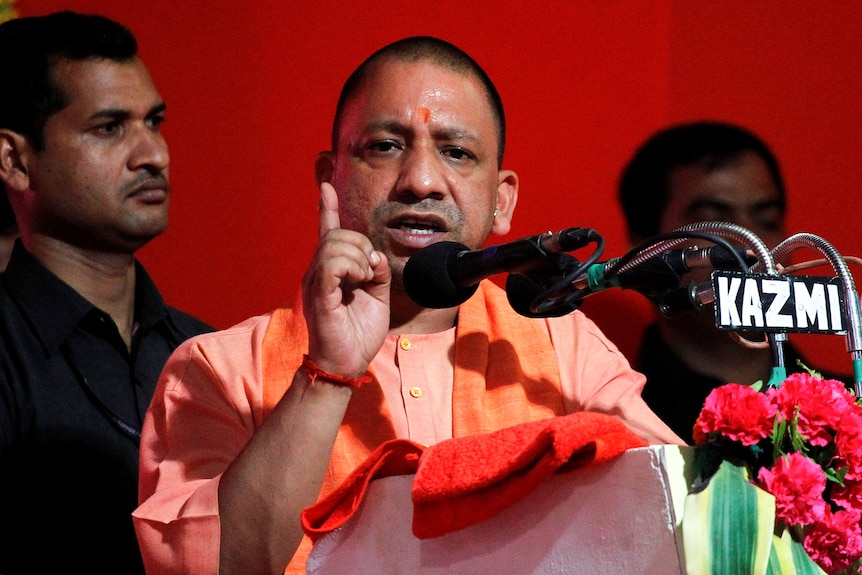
(820, 402)
(829, 421)
(848, 443)
(737, 412)
(798, 485)
(835, 542)
(848, 496)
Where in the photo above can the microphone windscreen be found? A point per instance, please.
(429, 276)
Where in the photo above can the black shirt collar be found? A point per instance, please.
(54, 309)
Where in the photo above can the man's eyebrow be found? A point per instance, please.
(111, 113)
(157, 109)
(455, 134)
(121, 114)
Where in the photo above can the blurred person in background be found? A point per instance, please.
(687, 173)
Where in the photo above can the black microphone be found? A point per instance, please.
(446, 274)
(655, 278)
(665, 270)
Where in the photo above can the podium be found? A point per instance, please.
(620, 517)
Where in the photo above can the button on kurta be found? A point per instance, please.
(416, 392)
(405, 344)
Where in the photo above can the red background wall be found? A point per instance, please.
(251, 88)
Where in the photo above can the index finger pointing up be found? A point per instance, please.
(328, 207)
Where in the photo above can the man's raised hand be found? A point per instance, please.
(345, 294)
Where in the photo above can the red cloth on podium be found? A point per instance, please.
(467, 480)
(394, 457)
(462, 481)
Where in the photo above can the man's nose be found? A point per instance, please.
(422, 174)
(149, 150)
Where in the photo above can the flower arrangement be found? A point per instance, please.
(802, 443)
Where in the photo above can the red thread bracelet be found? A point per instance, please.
(314, 371)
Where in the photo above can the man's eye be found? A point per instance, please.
(108, 128)
(459, 154)
(156, 121)
(384, 147)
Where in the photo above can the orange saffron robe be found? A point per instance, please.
(217, 389)
(493, 386)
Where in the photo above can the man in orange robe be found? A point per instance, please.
(255, 423)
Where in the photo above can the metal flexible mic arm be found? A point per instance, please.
(852, 314)
(681, 235)
(765, 259)
(655, 247)
(657, 277)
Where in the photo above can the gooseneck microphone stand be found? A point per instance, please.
(852, 315)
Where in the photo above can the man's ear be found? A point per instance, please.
(507, 197)
(14, 150)
(324, 167)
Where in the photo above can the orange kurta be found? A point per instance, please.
(493, 387)
(217, 389)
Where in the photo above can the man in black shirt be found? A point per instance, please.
(83, 331)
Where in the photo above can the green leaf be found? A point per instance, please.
(788, 557)
(727, 528)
